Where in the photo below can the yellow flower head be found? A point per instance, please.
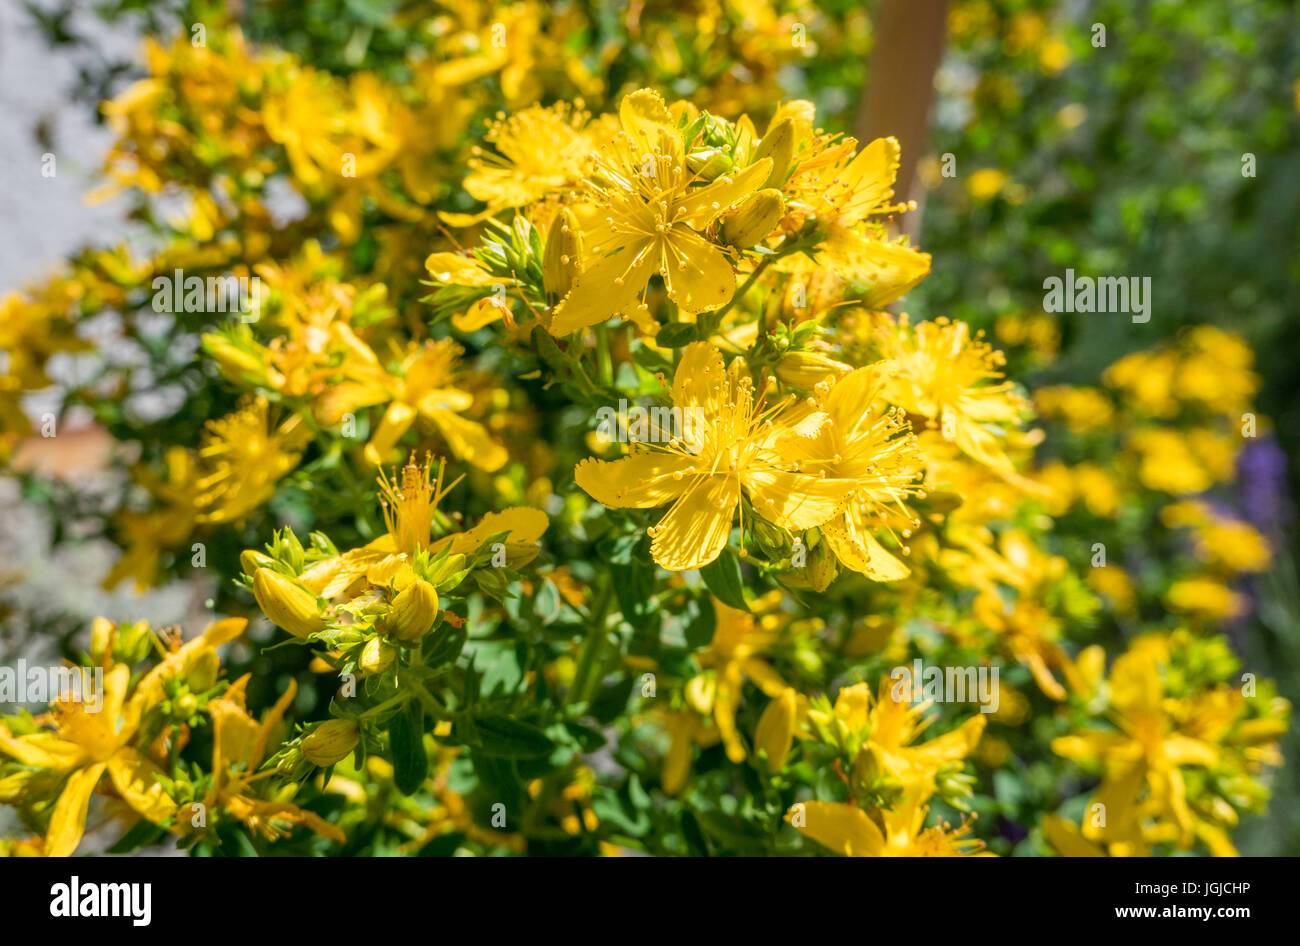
(732, 446)
(951, 379)
(647, 216)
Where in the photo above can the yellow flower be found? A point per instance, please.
(244, 459)
(410, 510)
(424, 386)
(1026, 628)
(844, 194)
(887, 727)
(898, 832)
(1146, 752)
(1081, 409)
(984, 184)
(1166, 462)
(539, 151)
(944, 376)
(729, 660)
(648, 218)
(238, 747)
(730, 446)
(870, 443)
(85, 745)
(1206, 598)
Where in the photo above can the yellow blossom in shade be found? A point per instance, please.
(775, 732)
(1205, 598)
(866, 441)
(84, 745)
(646, 217)
(147, 534)
(1216, 371)
(731, 446)
(1067, 839)
(1233, 546)
(898, 832)
(950, 379)
(733, 657)
(239, 744)
(244, 458)
(1145, 380)
(410, 508)
(1058, 484)
(424, 386)
(686, 730)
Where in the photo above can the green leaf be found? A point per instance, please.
(676, 335)
(722, 577)
(699, 629)
(508, 738)
(406, 738)
(143, 833)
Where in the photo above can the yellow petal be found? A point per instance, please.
(845, 829)
(397, 421)
(857, 549)
(524, 524)
(1066, 838)
(698, 274)
(606, 286)
(703, 205)
(796, 501)
(136, 779)
(456, 270)
(869, 179)
(700, 379)
(695, 530)
(68, 821)
(639, 481)
(885, 270)
(41, 750)
(470, 441)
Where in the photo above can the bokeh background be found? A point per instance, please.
(1170, 152)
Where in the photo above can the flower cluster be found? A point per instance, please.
(841, 576)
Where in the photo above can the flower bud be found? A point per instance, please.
(450, 566)
(250, 560)
(775, 731)
(377, 656)
(330, 742)
(710, 163)
(287, 603)
(754, 218)
(562, 255)
(413, 611)
(777, 144)
(236, 363)
(804, 370)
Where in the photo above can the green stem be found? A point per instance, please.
(584, 678)
(431, 703)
